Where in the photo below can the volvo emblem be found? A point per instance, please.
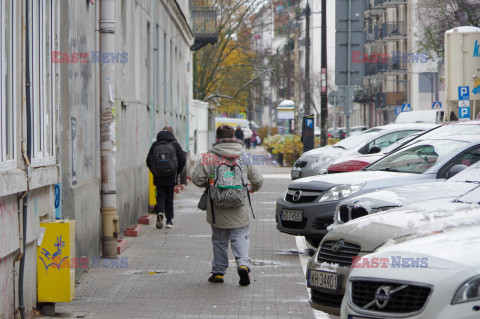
(338, 245)
(382, 296)
(296, 196)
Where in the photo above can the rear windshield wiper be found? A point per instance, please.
(388, 169)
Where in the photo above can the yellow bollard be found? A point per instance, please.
(152, 192)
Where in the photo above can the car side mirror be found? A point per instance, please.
(374, 149)
(455, 169)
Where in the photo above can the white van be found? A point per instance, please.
(428, 116)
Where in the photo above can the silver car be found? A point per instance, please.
(317, 161)
(389, 198)
(343, 248)
(308, 206)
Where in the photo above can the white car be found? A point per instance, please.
(317, 161)
(435, 277)
(341, 247)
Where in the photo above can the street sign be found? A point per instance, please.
(309, 122)
(437, 106)
(464, 103)
(464, 113)
(398, 110)
(463, 93)
(406, 107)
(343, 54)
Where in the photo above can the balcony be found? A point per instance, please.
(204, 26)
(387, 99)
(396, 30)
(387, 3)
(390, 67)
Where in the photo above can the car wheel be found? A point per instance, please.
(314, 241)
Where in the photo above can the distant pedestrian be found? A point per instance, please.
(228, 205)
(239, 133)
(254, 138)
(247, 137)
(165, 160)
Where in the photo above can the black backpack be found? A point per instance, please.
(164, 161)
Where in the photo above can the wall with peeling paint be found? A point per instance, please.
(151, 90)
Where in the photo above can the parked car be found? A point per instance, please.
(317, 161)
(357, 129)
(444, 285)
(388, 198)
(343, 247)
(308, 205)
(354, 163)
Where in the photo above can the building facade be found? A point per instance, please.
(50, 138)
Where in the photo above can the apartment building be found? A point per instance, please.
(50, 119)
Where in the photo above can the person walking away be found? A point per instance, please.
(229, 211)
(247, 137)
(165, 160)
(254, 138)
(239, 133)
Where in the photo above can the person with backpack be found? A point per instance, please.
(228, 180)
(239, 133)
(165, 160)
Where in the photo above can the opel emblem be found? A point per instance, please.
(382, 296)
(296, 196)
(338, 245)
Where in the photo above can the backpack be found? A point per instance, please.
(164, 161)
(229, 189)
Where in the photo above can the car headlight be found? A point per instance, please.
(468, 291)
(340, 192)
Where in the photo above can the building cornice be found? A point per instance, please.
(178, 17)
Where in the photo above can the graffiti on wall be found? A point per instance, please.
(56, 258)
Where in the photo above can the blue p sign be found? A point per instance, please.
(463, 93)
(309, 123)
(464, 112)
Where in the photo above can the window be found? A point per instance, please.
(388, 139)
(7, 110)
(42, 102)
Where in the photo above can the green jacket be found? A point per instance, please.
(232, 218)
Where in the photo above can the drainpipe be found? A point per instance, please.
(110, 226)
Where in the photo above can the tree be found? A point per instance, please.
(437, 16)
(221, 71)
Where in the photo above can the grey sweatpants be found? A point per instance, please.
(240, 243)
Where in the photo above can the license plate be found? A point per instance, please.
(323, 279)
(292, 215)
(295, 174)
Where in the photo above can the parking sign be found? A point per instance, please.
(464, 113)
(398, 110)
(463, 93)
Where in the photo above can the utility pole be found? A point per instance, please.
(308, 130)
(323, 99)
(307, 59)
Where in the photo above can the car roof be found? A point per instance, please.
(393, 126)
(466, 138)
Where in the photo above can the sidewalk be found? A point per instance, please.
(168, 270)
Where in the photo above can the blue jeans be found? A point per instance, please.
(240, 243)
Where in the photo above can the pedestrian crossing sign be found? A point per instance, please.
(406, 107)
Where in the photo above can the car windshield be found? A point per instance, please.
(399, 143)
(470, 174)
(355, 140)
(417, 158)
(451, 130)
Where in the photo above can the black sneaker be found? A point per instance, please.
(216, 278)
(159, 221)
(169, 223)
(244, 276)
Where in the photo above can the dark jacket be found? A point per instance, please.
(166, 136)
(239, 135)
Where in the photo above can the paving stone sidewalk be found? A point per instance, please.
(168, 270)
